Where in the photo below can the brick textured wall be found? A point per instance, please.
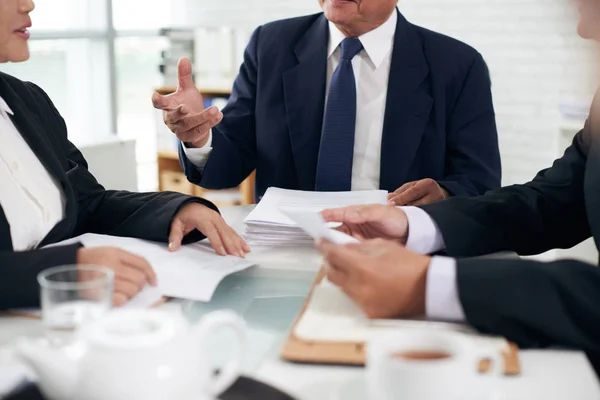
(536, 60)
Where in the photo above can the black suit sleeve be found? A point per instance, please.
(18, 273)
(234, 153)
(546, 213)
(532, 303)
(119, 213)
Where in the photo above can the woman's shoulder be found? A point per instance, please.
(28, 92)
(19, 85)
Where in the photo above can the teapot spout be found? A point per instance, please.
(55, 367)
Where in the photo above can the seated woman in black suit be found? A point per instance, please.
(47, 193)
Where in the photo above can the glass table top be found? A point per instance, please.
(268, 304)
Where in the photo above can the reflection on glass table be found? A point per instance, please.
(269, 306)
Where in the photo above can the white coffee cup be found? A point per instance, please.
(429, 365)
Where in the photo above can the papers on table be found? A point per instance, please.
(269, 224)
(193, 272)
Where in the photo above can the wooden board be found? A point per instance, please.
(348, 353)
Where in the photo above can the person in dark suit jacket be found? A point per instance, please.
(535, 304)
(406, 109)
(48, 195)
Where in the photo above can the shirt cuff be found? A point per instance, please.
(199, 156)
(442, 301)
(424, 236)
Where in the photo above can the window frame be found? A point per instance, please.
(108, 36)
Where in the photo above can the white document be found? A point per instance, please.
(267, 225)
(193, 272)
(331, 316)
(267, 210)
(312, 223)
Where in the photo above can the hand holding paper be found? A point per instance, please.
(371, 222)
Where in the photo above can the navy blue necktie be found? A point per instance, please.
(334, 167)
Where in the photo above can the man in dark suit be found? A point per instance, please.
(354, 98)
(534, 304)
(48, 195)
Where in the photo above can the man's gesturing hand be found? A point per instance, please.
(183, 111)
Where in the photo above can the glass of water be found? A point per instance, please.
(72, 296)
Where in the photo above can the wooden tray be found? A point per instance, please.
(348, 353)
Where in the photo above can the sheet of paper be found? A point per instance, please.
(267, 210)
(332, 316)
(312, 223)
(193, 272)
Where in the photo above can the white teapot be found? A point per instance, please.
(135, 354)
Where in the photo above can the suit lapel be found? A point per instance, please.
(304, 95)
(408, 106)
(30, 127)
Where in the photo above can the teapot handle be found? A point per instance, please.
(232, 371)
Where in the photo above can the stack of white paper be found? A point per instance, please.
(269, 225)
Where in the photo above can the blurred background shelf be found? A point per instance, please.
(207, 93)
(172, 178)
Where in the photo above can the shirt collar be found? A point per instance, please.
(4, 107)
(377, 43)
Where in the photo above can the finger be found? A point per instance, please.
(132, 275)
(119, 299)
(176, 234)
(344, 258)
(350, 232)
(336, 276)
(338, 214)
(373, 248)
(214, 238)
(193, 134)
(126, 288)
(241, 243)
(425, 200)
(411, 195)
(245, 246)
(353, 214)
(228, 239)
(210, 117)
(184, 74)
(175, 115)
(402, 189)
(141, 265)
(161, 102)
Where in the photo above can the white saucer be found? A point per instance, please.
(352, 389)
(356, 389)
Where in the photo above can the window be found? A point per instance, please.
(98, 61)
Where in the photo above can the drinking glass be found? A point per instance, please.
(72, 296)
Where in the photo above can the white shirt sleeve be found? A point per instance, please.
(441, 299)
(199, 156)
(424, 236)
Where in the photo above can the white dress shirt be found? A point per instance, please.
(31, 199)
(441, 300)
(371, 71)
